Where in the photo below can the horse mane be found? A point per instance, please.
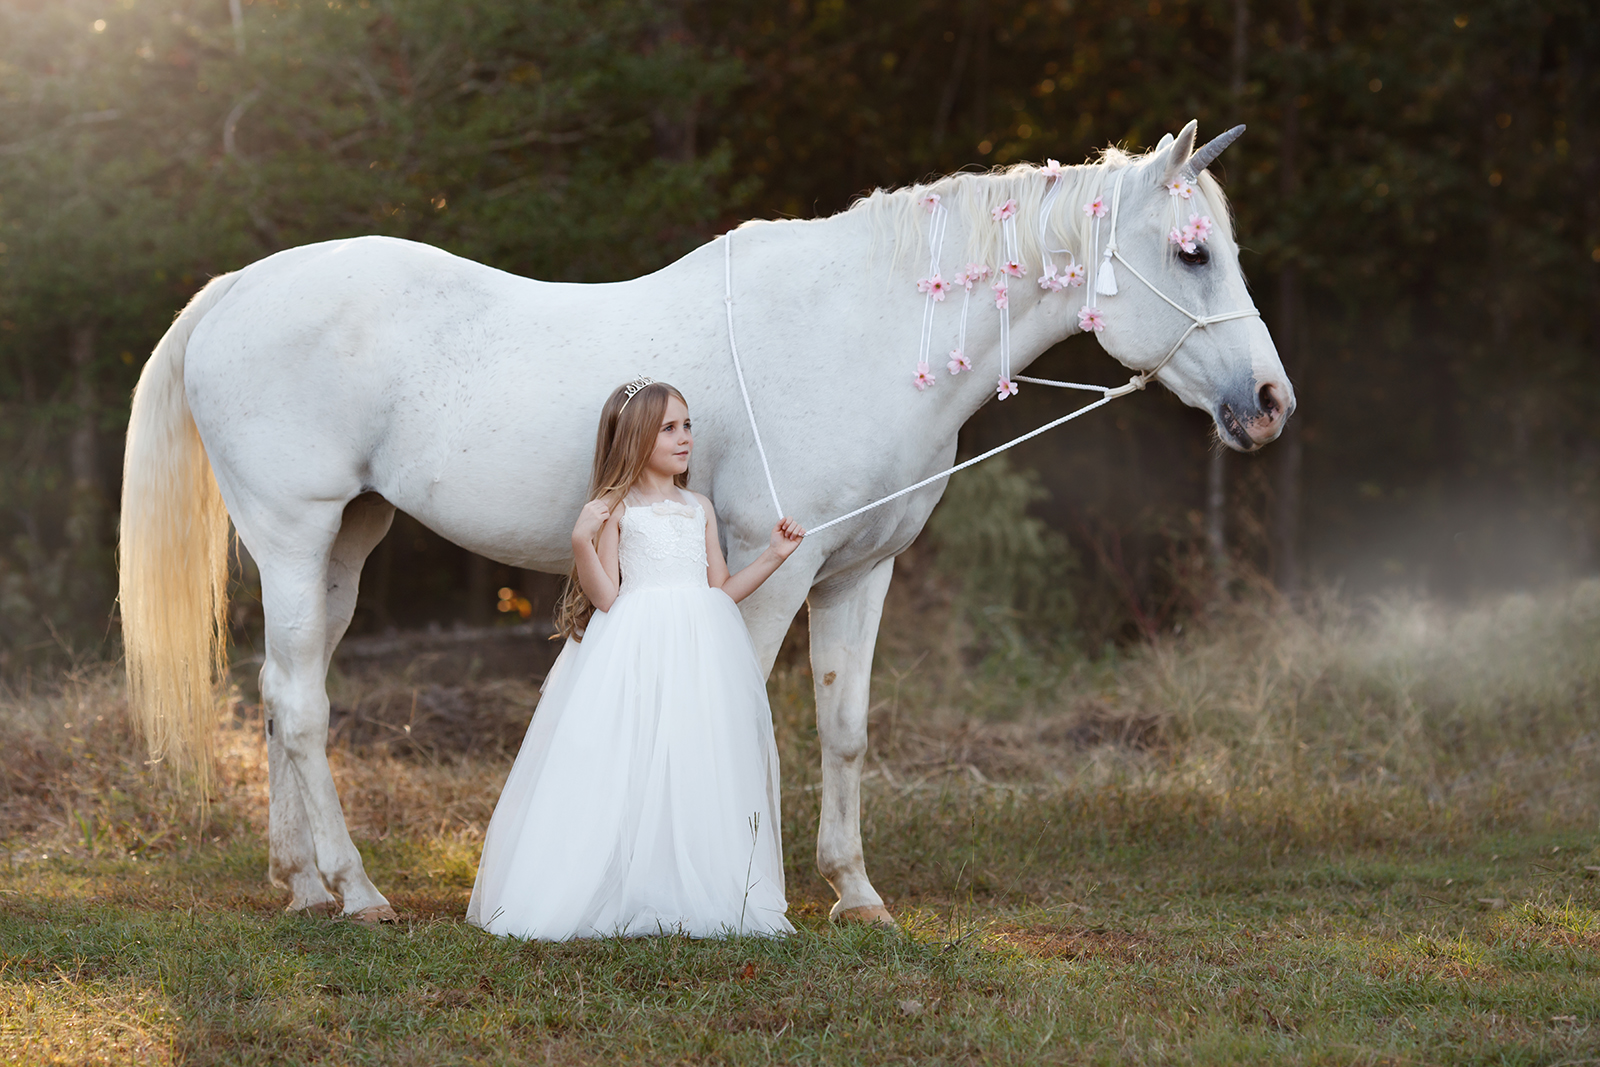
(900, 223)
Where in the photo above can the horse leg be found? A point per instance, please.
(292, 850)
(303, 620)
(844, 630)
(770, 610)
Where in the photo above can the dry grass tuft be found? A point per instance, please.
(1269, 842)
(63, 1021)
(1354, 723)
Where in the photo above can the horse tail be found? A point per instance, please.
(173, 559)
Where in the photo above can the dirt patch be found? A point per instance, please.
(422, 907)
(429, 721)
(1115, 946)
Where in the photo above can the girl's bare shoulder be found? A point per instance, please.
(705, 502)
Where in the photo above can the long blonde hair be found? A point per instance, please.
(622, 448)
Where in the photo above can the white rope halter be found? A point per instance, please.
(1107, 393)
(1196, 322)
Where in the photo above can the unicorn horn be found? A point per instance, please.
(1207, 153)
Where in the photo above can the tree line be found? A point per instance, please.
(1416, 198)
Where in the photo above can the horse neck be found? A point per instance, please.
(1039, 318)
(837, 299)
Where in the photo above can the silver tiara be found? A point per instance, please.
(632, 388)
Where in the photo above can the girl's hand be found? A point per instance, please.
(786, 537)
(590, 521)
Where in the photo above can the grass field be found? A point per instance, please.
(1354, 835)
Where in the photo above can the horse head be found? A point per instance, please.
(1178, 283)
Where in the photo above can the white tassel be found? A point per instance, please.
(1105, 282)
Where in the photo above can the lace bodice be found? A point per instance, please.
(663, 544)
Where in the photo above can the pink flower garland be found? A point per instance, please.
(1196, 233)
(975, 272)
(1074, 275)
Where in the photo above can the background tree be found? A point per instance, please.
(1415, 197)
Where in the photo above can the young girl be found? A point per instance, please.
(645, 797)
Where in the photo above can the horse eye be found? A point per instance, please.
(1198, 258)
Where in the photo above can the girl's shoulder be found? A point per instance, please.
(704, 502)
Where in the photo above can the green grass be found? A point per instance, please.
(1181, 952)
(1343, 837)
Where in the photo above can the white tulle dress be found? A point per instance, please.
(645, 797)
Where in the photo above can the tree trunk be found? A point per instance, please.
(83, 525)
(958, 66)
(674, 127)
(80, 351)
(1216, 516)
(1286, 474)
(980, 73)
(1241, 43)
(480, 595)
(1217, 467)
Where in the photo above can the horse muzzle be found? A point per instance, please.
(1246, 423)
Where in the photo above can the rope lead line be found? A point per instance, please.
(1107, 394)
(1111, 394)
(727, 300)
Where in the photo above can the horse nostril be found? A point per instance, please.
(1267, 398)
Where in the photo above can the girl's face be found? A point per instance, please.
(674, 440)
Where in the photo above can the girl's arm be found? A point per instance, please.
(786, 537)
(596, 556)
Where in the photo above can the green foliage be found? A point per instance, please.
(1010, 568)
(1421, 175)
(1303, 859)
(1195, 959)
(145, 147)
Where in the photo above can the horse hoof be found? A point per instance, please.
(322, 909)
(374, 916)
(871, 915)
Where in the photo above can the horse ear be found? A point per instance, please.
(1178, 150)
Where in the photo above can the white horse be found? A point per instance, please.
(309, 395)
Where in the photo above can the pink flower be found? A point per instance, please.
(1181, 186)
(1091, 319)
(1002, 298)
(1048, 279)
(935, 287)
(924, 377)
(975, 272)
(1013, 268)
(1096, 208)
(929, 201)
(958, 361)
(1006, 388)
(1183, 238)
(1053, 169)
(1202, 227)
(1005, 211)
(1074, 275)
